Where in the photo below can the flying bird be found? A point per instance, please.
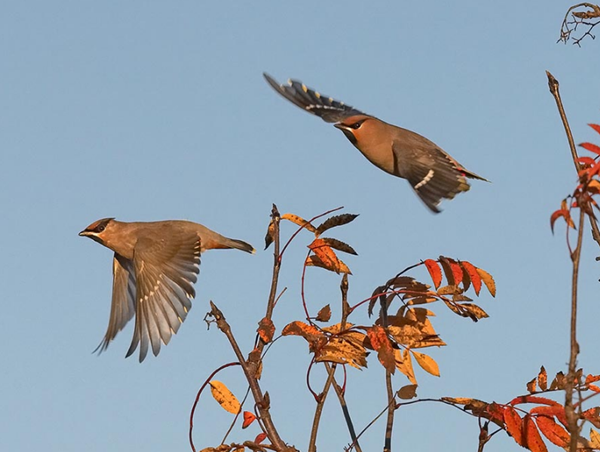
(432, 173)
(154, 268)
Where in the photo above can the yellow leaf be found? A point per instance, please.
(299, 221)
(427, 363)
(404, 364)
(224, 397)
(594, 439)
(488, 280)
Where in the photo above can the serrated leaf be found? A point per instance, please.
(533, 399)
(445, 263)
(434, 271)
(488, 280)
(266, 329)
(473, 275)
(339, 245)
(407, 392)
(299, 221)
(475, 311)
(557, 411)
(514, 425)
(224, 397)
(427, 363)
(324, 314)
(332, 222)
(449, 290)
(326, 257)
(554, 432)
(532, 437)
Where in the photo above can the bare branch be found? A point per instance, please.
(579, 18)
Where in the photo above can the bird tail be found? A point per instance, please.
(240, 245)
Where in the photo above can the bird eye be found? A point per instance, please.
(101, 228)
(356, 125)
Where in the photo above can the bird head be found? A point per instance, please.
(100, 231)
(357, 128)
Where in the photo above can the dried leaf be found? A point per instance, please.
(449, 290)
(514, 425)
(404, 364)
(382, 345)
(446, 266)
(297, 328)
(594, 439)
(427, 363)
(558, 382)
(554, 432)
(339, 245)
(332, 222)
(407, 392)
(473, 275)
(299, 221)
(543, 379)
(224, 397)
(266, 329)
(324, 314)
(327, 257)
(249, 418)
(532, 385)
(346, 347)
(270, 236)
(475, 311)
(434, 271)
(488, 280)
(533, 439)
(592, 415)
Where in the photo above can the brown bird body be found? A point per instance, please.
(154, 268)
(431, 172)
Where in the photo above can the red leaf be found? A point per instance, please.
(596, 127)
(249, 418)
(533, 399)
(554, 432)
(533, 439)
(475, 278)
(557, 411)
(434, 271)
(586, 161)
(381, 344)
(590, 147)
(260, 438)
(266, 329)
(514, 425)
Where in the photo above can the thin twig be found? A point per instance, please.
(553, 86)
(312, 444)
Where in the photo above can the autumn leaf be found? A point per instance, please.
(297, 328)
(543, 379)
(404, 364)
(590, 147)
(260, 438)
(249, 418)
(324, 314)
(557, 411)
(427, 363)
(445, 262)
(299, 221)
(266, 329)
(381, 344)
(554, 432)
(326, 257)
(558, 382)
(533, 399)
(434, 271)
(475, 311)
(514, 425)
(332, 222)
(407, 392)
(594, 439)
(339, 245)
(592, 415)
(532, 385)
(533, 439)
(473, 275)
(224, 397)
(488, 280)
(449, 290)
(344, 347)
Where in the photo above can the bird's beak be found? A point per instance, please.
(339, 125)
(84, 233)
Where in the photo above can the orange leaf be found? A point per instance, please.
(299, 221)
(298, 328)
(591, 378)
(473, 275)
(591, 147)
(266, 329)
(533, 399)
(532, 385)
(593, 387)
(592, 415)
(434, 271)
(533, 440)
(324, 314)
(427, 363)
(249, 418)
(488, 280)
(260, 438)
(446, 264)
(381, 344)
(557, 411)
(225, 397)
(327, 256)
(514, 425)
(554, 432)
(596, 127)
(543, 379)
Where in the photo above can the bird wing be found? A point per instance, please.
(165, 271)
(122, 306)
(431, 172)
(326, 108)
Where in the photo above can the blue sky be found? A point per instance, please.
(158, 110)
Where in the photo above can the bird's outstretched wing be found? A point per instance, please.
(431, 172)
(326, 108)
(165, 271)
(122, 307)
